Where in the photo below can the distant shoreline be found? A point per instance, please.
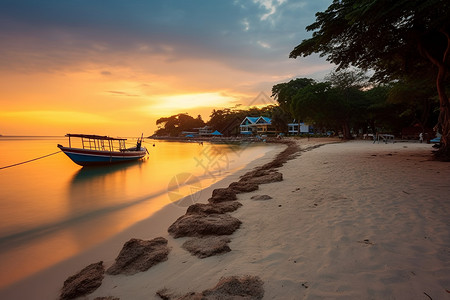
(207, 139)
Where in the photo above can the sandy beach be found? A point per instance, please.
(352, 220)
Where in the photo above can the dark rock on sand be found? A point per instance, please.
(107, 298)
(139, 255)
(193, 296)
(262, 176)
(290, 152)
(202, 225)
(221, 195)
(217, 208)
(207, 246)
(243, 187)
(261, 197)
(234, 287)
(84, 282)
(255, 173)
(166, 294)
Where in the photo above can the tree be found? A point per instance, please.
(176, 124)
(348, 84)
(396, 39)
(418, 99)
(280, 119)
(382, 114)
(226, 120)
(309, 103)
(284, 92)
(330, 107)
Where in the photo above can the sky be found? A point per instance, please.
(113, 67)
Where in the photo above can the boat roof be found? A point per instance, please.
(95, 137)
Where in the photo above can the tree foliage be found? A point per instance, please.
(397, 39)
(336, 104)
(283, 92)
(176, 124)
(226, 120)
(418, 98)
(346, 104)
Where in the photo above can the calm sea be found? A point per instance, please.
(52, 209)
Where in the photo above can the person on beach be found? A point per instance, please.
(421, 137)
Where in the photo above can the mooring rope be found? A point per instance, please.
(24, 162)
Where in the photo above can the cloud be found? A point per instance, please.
(121, 93)
(54, 33)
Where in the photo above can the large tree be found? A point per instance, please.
(283, 92)
(347, 85)
(176, 124)
(418, 99)
(396, 39)
(330, 107)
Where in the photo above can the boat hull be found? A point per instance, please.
(85, 157)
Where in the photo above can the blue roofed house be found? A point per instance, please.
(257, 125)
(247, 125)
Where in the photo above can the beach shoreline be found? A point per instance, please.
(352, 220)
(47, 283)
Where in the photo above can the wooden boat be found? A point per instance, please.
(101, 150)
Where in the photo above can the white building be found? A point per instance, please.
(202, 131)
(293, 128)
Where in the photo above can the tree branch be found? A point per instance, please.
(447, 51)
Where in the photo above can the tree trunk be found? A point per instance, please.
(444, 114)
(346, 131)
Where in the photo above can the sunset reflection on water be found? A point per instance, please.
(52, 209)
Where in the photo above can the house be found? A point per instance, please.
(257, 125)
(247, 125)
(202, 131)
(199, 132)
(293, 128)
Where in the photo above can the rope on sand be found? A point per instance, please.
(24, 162)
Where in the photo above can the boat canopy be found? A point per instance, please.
(99, 142)
(95, 137)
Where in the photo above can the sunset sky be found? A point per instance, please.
(114, 67)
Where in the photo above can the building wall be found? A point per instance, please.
(293, 128)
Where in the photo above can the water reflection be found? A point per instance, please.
(91, 172)
(100, 195)
(52, 209)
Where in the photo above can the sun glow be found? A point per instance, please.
(189, 101)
